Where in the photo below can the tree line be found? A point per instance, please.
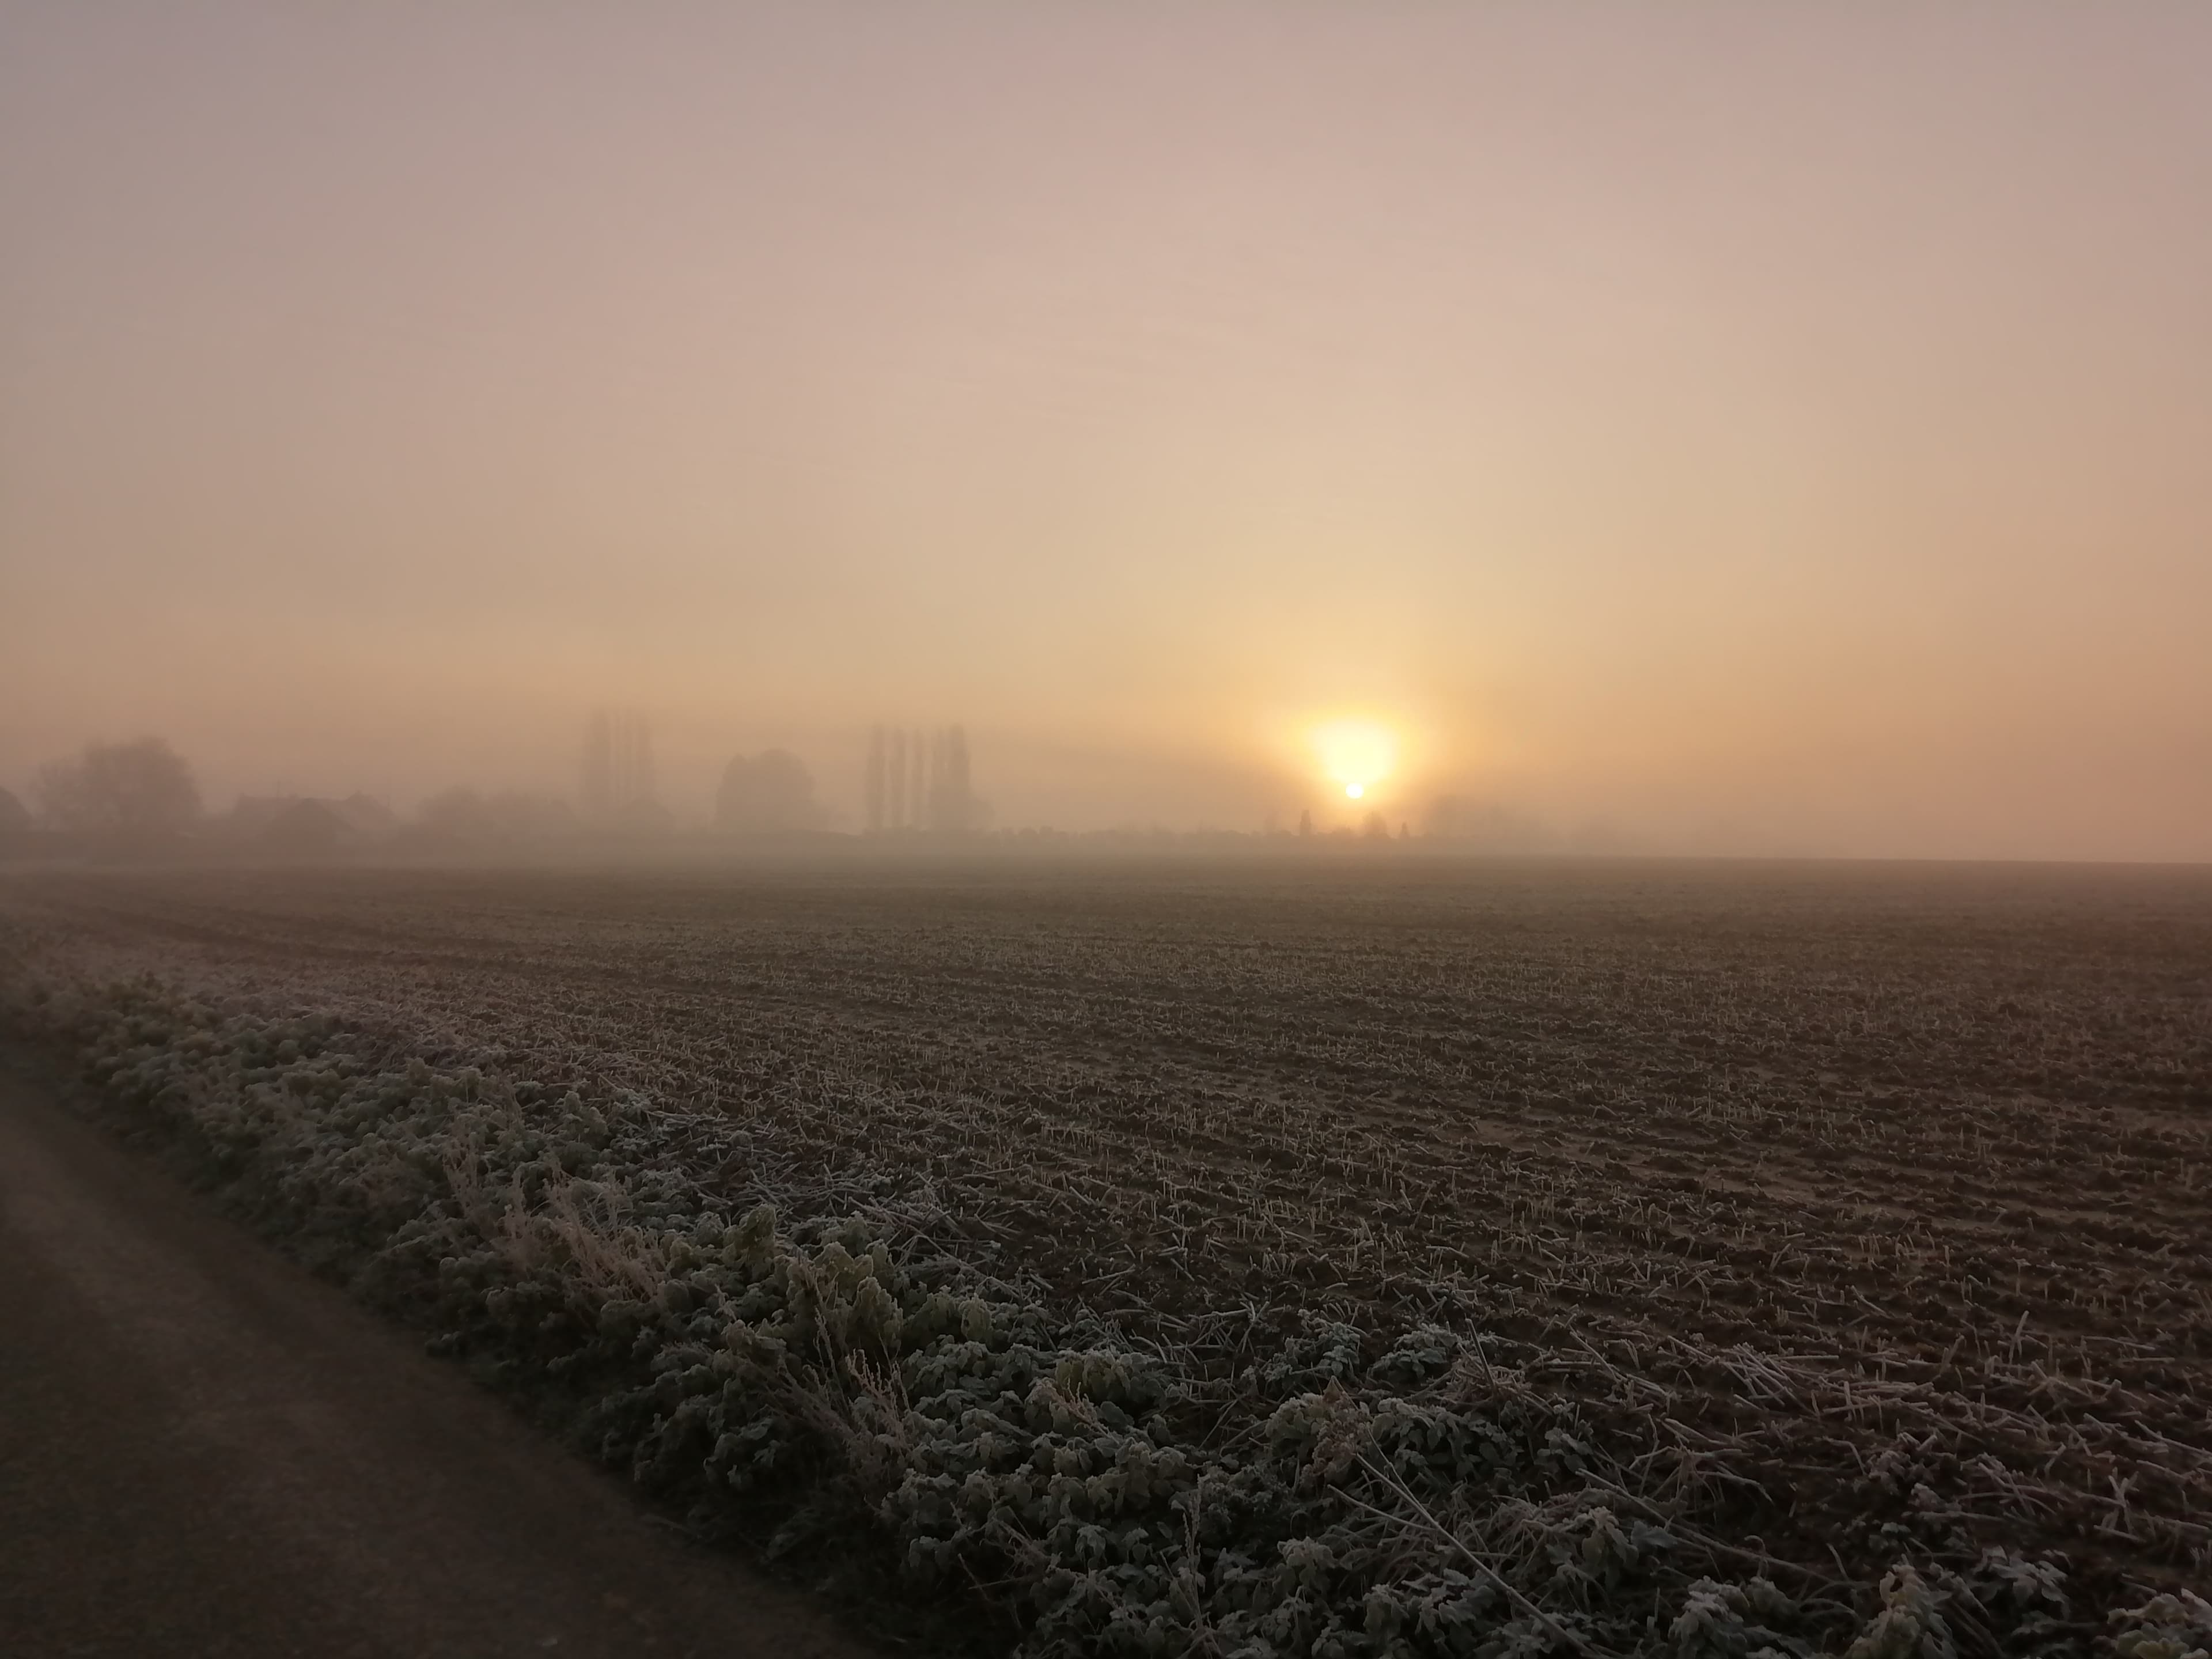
(142, 794)
(917, 779)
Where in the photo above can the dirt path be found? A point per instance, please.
(205, 1451)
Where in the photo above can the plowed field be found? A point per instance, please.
(1878, 1181)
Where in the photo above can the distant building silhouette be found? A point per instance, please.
(367, 815)
(463, 815)
(305, 829)
(306, 824)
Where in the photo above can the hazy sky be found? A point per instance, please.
(1757, 428)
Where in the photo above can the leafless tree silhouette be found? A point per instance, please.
(954, 810)
(137, 790)
(895, 781)
(917, 791)
(617, 766)
(871, 784)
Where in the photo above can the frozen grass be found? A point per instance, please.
(893, 1363)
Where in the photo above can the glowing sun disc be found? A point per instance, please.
(1354, 753)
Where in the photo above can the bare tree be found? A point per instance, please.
(917, 792)
(954, 810)
(633, 761)
(934, 813)
(894, 771)
(618, 769)
(598, 766)
(14, 816)
(923, 780)
(140, 791)
(872, 783)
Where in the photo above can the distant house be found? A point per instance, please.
(306, 829)
(368, 817)
(307, 825)
(252, 814)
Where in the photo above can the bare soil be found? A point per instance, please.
(1832, 1163)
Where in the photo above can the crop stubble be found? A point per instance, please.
(1823, 1163)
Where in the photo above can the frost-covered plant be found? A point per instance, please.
(1732, 1621)
(820, 1369)
(1910, 1625)
(2178, 1626)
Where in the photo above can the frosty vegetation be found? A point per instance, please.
(810, 1359)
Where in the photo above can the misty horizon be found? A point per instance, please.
(1749, 434)
(1372, 830)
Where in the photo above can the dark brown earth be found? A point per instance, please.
(204, 1450)
(1836, 1163)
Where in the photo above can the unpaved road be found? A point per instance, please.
(204, 1450)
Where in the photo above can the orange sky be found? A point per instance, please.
(1751, 428)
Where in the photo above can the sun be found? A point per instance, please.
(1354, 754)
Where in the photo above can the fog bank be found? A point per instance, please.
(1710, 431)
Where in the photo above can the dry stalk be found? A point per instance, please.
(1437, 1530)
